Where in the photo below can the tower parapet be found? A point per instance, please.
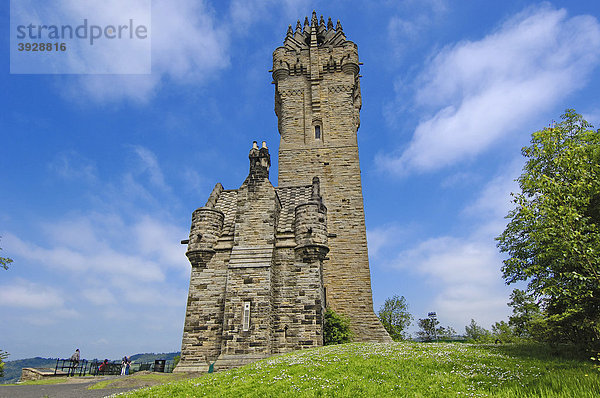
(317, 67)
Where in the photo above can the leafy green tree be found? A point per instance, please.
(553, 236)
(476, 333)
(445, 332)
(504, 332)
(427, 328)
(3, 356)
(395, 318)
(526, 312)
(336, 328)
(4, 261)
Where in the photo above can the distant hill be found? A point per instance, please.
(12, 369)
(150, 357)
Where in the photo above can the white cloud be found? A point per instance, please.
(464, 270)
(464, 275)
(161, 241)
(143, 183)
(149, 164)
(190, 44)
(382, 237)
(106, 247)
(21, 293)
(460, 179)
(416, 18)
(103, 260)
(494, 201)
(99, 296)
(188, 47)
(593, 117)
(187, 41)
(70, 165)
(481, 91)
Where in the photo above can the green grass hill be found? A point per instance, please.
(405, 369)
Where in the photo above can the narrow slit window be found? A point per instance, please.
(317, 132)
(246, 317)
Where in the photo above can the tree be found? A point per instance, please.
(4, 261)
(3, 356)
(553, 236)
(445, 332)
(428, 327)
(336, 328)
(526, 312)
(504, 332)
(395, 318)
(476, 333)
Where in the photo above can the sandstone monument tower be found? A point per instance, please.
(266, 260)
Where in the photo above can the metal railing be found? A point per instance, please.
(159, 365)
(72, 368)
(95, 368)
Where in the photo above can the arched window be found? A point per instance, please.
(317, 132)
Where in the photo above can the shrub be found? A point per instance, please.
(336, 328)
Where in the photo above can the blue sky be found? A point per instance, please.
(100, 173)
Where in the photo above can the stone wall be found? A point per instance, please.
(203, 328)
(29, 374)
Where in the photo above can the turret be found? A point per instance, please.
(207, 225)
(310, 226)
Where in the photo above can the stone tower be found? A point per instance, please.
(267, 260)
(317, 102)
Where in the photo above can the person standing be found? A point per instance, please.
(124, 365)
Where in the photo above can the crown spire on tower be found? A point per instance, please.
(325, 33)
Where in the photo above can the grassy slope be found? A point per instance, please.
(399, 369)
(139, 379)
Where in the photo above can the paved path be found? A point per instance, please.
(78, 390)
